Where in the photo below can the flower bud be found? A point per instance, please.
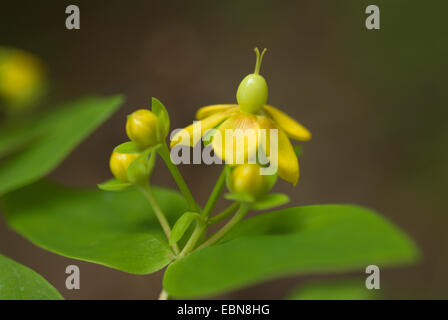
(142, 127)
(119, 163)
(246, 179)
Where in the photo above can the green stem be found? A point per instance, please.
(244, 208)
(147, 191)
(195, 236)
(211, 202)
(201, 226)
(225, 213)
(165, 154)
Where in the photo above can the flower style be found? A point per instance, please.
(247, 117)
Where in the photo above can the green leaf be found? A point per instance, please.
(300, 240)
(163, 117)
(241, 197)
(137, 171)
(181, 226)
(60, 132)
(14, 136)
(142, 167)
(270, 201)
(114, 185)
(341, 289)
(118, 230)
(127, 147)
(151, 162)
(18, 282)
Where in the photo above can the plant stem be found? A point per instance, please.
(244, 208)
(217, 189)
(199, 229)
(163, 295)
(225, 213)
(147, 191)
(165, 154)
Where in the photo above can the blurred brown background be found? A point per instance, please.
(375, 102)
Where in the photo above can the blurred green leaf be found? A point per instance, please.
(270, 201)
(118, 230)
(15, 136)
(127, 147)
(18, 282)
(137, 170)
(300, 240)
(181, 226)
(59, 133)
(241, 197)
(343, 289)
(163, 117)
(114, 185)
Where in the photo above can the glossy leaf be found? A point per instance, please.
(344, 289)
(60, 131)
(18, 282)
(270, 201)
(300, 240)
(118, 229)
(114, 185)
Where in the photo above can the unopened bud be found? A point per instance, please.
(119, 163)
(246, 179)
(142, 127)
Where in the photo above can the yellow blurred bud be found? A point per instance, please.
(22, 78)
(141, 127)
(119, 163)
(246, 179)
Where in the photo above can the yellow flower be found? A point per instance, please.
(22, 77)
(246, 179)
(119, 163)
(141, 127)
(245, 119)
(225, 117)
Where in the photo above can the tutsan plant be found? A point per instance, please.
(136, 227)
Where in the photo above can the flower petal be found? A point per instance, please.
(286, 158)
(267, 124)
(207, 111)
(294, 129)
(192, 134)
(240, 143)
(288, 164)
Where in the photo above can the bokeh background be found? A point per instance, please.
(375, 101)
